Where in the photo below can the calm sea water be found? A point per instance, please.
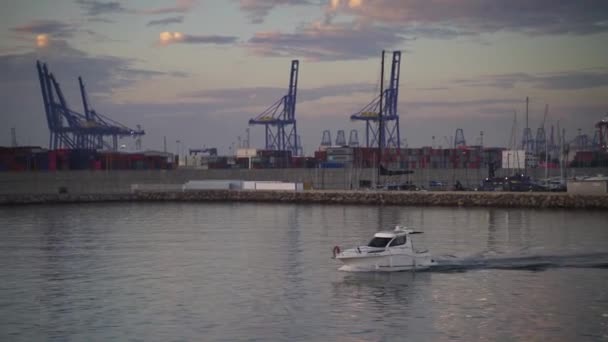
(262, 272)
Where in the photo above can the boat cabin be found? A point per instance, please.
(395, 238)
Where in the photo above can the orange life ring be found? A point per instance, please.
(336, 250)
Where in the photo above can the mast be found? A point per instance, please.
(527, 102)
(546, 144)
(527, 140)
(380, 120)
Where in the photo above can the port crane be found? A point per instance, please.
(353, 139)
(382, 125)
(326, 139)
(382, 120)
(279, 120)
(527, 142)
(459, 141)
(540, 144)
(340, 138)
(602, 127)
(71, 129)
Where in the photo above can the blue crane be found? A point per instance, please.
(540, 144)
(375, 111)
(71, 129)
(459, 140)
(279, 119)
(353, 139)
(103, 125)
(341, 138)
(326, 138)
(527, 141)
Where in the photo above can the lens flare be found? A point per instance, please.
(334, 4)
(42, 40)
(171, 37)
(354, 3)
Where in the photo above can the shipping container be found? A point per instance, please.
(81, 159)
(246, 152)
(41, 161)
(331, 165)
(242, 163)
(340, 158)
(320, 156)
(279, 186)
(333, 151)
(213, 185)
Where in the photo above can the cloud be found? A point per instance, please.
(100, 20)
(328, 42)
(166, 21)
(358, 29)
(95, 7)
(462, 103)
(529, 17)
(567, 80)
(315, 94)
(573, 80)
(257, 10)
(14, 49)
(45, 32)
(49, 27)
(432, 88)
(266, 96)
(104, 76)
(167, 38)
(181, 6)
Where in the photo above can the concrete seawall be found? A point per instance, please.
(462, 199)
(120, 181)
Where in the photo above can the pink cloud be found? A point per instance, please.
(167, 38)
(181, 6)
(54, 27)
(532, 17)
(257, 10)
(326, 41)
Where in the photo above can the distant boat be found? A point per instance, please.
(386, 172)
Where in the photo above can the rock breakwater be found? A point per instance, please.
(462, 199)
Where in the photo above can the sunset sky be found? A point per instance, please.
(197, 71)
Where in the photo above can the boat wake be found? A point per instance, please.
(528, 262)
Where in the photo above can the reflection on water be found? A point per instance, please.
(263, 272)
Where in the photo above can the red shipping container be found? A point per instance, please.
(52, 161)
(321, 156)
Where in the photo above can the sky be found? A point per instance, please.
(197, 71)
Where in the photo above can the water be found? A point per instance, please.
(262, 272)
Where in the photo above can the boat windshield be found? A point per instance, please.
(378, 242)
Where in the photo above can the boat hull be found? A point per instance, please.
(387, 263)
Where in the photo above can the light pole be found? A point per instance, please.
(466, 166)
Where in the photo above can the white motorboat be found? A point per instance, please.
(387, 251)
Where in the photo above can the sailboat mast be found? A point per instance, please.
(526, 138)
(380, 120)
(380, 113)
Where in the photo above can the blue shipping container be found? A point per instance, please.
(331, 165)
